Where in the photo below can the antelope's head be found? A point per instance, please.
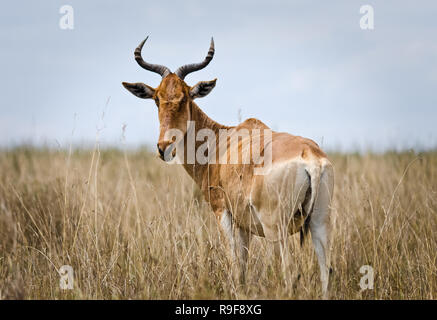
(173, 96)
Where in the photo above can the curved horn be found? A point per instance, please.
(162, 70)
(188, 68)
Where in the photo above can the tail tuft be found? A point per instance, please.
(304, 230)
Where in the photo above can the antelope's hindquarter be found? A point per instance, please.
(273, 204)
(268, 205)
(280, 199)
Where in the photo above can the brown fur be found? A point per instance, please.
(225, 186)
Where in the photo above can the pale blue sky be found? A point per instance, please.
(304, 67)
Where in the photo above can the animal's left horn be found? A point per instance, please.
(188, 68)
(162, 70)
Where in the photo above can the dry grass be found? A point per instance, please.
(135, 228)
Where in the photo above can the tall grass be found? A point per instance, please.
(133, 227)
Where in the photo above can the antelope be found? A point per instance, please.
(293, 195)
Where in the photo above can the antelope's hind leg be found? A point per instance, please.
(320, 226)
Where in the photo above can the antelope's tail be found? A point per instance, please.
(314, 173)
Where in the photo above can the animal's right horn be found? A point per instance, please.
(188, 68)
(162, 70)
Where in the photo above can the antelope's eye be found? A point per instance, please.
(157, 101)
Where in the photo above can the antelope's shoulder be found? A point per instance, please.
(252, 123)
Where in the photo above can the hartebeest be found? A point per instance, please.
(293, 195)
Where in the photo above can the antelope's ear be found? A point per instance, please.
(202, 88)
(139, 89)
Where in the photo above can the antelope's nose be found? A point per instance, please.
(162, 147)
(160, 151)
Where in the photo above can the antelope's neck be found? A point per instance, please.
(201, 121)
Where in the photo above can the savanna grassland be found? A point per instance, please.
(133, 227)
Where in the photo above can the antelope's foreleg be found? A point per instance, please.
(238, 240)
